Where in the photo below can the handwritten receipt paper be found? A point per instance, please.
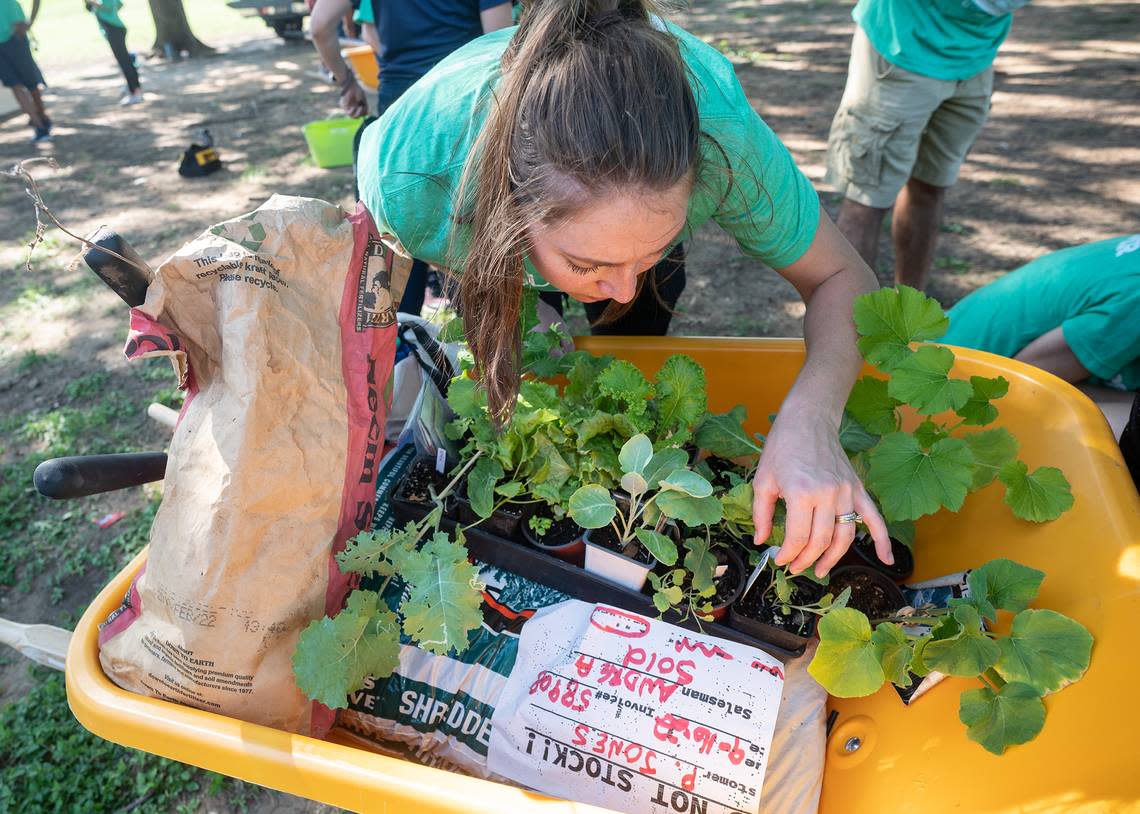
(607, 707)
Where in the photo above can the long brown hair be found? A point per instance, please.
(594, 97)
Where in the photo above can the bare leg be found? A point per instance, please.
(38, 101)
(30, 103)
(861, 225)
(914, 229)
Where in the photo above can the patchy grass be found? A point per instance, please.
(51, 763)
(955, 265)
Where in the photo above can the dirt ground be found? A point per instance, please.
(1057, 164)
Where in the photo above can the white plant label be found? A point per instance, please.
(611, 708)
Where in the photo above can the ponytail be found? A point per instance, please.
(594, 97)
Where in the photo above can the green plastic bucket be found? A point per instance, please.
(330, 141)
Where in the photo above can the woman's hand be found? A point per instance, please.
(804, 464)
(803, 461)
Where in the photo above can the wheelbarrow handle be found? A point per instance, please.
(128, 281)
(82, 475)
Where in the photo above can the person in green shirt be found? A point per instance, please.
(1074, 313)
(571, 154)
(107, 13)
(918, 92)
(18, 70)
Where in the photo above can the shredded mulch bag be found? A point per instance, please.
(282, 327)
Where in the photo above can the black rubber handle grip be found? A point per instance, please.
(83, 475)
(127, 281)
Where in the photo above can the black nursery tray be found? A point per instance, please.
(548, 570)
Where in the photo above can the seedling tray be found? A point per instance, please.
(546, 569)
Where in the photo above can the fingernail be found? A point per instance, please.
(890, 560)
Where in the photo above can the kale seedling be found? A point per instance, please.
(437, 610)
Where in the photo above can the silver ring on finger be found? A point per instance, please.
(849, 517)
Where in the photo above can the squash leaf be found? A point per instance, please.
(1045, 649)
(889, 319)
(846, 662)
(1003, 584)
(922, 380)
(894, 650)
(910, 482)
(977, 411)
(992, 449)
(871, 405)
(1039, 496)
(1012, 715)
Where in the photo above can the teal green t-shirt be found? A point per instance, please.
(109, 12)
(1091, 292)
(10, 14)
(411, 159)
(942, 39)
(363, 13)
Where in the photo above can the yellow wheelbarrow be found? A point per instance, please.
(881, 755)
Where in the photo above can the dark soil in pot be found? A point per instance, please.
(563, 539)
(730, 584)
(862, 552)
(421, 480)
(799, 623)
(871, 592)
(607, 539)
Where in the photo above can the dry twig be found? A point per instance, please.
(19, 172)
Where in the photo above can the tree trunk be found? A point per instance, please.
(172, 30)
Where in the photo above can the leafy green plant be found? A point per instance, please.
(438, 608)
(691, 587)
(915, 473)
(658, 486)
(1044, 652)
(559, 438)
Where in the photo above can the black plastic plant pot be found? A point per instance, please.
(732, 583)
(862, 552)
(752, 615)
(565, 539)
(504, 521)
(411, 496)
(872, 592)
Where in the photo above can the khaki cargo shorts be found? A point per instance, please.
(893, 124)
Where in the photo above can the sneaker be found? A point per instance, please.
(131, 98)
(42, 134)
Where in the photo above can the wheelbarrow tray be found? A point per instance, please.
(914, 758)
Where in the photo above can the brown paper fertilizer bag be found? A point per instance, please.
(282, 326)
